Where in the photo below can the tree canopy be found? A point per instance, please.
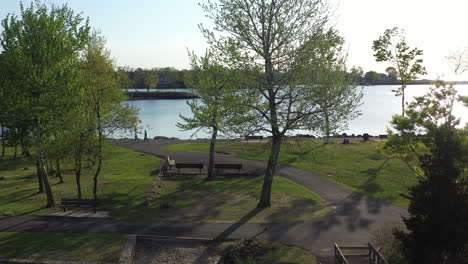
(392, 47)
(274, 44)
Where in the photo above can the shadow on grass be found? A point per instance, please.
(61, 246)
(192, 199)
(371, 186)
(18, 196)
(301, 151)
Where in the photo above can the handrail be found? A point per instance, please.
(339, 258)
(374, 256)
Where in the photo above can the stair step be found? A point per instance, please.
(353, 246)
(356, 255)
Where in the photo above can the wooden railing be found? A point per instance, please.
(339, 258)
(374, 256)
(358, 252)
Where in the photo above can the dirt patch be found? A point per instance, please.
(161, 252)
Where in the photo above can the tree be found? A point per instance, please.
(338, 98)
(438, 220)
(356, 74)
(392, 47)
(392, 73)
(458, 61)
(218, 108)
(125, 82)
(103, 98)
(152, 78)
(372, 76)
(269, 41)
(43, 47)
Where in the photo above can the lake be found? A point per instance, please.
(159, 117)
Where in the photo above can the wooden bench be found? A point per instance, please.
(253, 137)
(199, 166)
(170, 162)
(80, 204)
(219, 166)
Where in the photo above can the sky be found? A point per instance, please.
(158, 33)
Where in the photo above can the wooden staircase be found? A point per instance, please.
(358, 254)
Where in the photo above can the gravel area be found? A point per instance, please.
(158, 252)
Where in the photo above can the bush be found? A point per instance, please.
(383, 238)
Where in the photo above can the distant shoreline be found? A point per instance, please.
(422, 82)
(159, 95)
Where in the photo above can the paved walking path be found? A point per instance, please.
(355, 216)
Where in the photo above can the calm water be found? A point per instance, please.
(159, 117)
(159, 90)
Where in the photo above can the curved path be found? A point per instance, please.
(355, 216)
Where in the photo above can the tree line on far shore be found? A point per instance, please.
(167, 77)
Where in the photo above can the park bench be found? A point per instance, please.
(170, 162)
(199, 166)
(220, 166)
(80, 204)
(253, 137)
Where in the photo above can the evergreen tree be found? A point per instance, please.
(438, 221)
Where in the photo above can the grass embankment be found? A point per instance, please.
(62, 246)
(123, 180)
(357, 165)
(127, 187)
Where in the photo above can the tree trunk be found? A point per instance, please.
(327, 126)
(403, 87)
(50, 167)
(3, 141)
(98, 170)
(22, 147)
(265, 197)
(211, 174)
(39, 178)
(45, 177)
(59, 171)
(78, 177)
(16, 151)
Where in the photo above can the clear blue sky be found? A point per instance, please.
(157, 33)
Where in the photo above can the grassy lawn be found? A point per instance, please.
(229, 199)
(282, 253)
(130, 191)
(62, 246)
(125, 177)
(357, 165)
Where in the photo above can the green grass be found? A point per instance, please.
(192, 198)
(62, 246)
(282, 253)
(129, 192)
(357, 165)
(124, 179)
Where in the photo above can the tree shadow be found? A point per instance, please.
(301, 154)
(371, 186)
(232, 228)
(18, 196)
